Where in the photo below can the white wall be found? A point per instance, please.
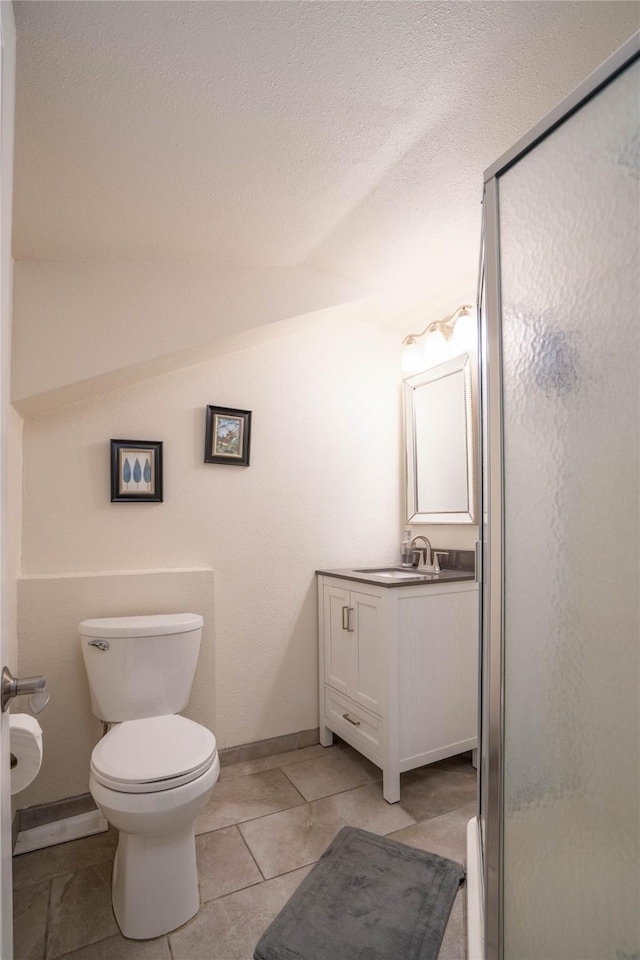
(111, 315)
(322, 490)
(7, 435)
(13, 543)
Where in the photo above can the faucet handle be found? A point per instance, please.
(436, 554)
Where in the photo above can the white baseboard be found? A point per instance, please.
(59, 831)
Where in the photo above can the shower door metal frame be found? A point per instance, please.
(493, 498)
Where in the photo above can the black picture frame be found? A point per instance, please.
(227, 436)
(136, 471)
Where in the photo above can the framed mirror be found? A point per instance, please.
(439, 444)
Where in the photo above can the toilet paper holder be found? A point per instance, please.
(33, 687)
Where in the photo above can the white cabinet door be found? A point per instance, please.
(352, 645)
(337, 638)
(366, 678)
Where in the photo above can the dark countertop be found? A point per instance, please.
(459, 565)
(445, 576)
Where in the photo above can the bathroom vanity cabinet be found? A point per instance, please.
(398, 670)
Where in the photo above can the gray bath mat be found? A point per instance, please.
(367, 898)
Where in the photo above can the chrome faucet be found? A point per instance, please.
(431, 557)
(425, 551)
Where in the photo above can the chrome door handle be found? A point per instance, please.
(12, 687)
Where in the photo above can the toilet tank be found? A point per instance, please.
(140, 666)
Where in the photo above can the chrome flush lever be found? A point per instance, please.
(34, 687)
(100, 644)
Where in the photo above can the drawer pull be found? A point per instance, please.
(346, 619)
(346, 716)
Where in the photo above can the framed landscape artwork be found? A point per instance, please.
(227, 436)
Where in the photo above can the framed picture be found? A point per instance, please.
(227, 436)
(136, 471)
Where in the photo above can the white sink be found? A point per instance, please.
(397, 573)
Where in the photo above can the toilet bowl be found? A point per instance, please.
(150, 778)
(154, 770)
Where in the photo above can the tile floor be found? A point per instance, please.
(265, 825)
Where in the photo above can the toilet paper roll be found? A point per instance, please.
(26, 750)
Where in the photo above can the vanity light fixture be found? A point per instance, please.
(443, 339)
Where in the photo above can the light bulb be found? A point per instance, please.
(465, 332)
(412, 359)
(435, 349)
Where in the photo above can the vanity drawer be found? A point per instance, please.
(360, 725)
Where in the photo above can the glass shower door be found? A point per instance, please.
(563, 380)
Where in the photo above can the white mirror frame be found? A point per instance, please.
(411, 385)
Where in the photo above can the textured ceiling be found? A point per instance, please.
(347, 136)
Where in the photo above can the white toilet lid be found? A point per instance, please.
(157, 753)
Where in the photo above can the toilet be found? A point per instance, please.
(154, 770)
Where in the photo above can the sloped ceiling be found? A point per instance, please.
(346, 136)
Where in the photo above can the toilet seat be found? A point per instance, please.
(153, 754)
